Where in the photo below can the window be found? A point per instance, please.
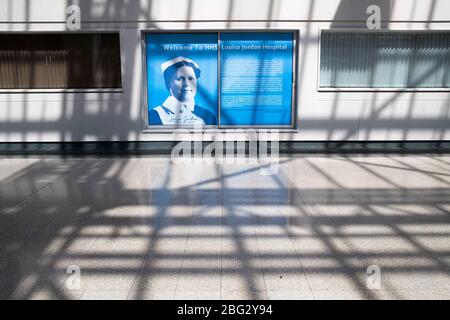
(384, 59)
(60, 61)
(219, 79)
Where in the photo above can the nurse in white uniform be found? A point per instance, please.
(181, 75)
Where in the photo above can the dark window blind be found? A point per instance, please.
(60, 61)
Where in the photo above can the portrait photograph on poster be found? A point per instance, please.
(182, 79)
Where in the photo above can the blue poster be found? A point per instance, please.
(256, 71)
(182, 79)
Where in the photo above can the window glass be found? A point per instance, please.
(384, 60)
(60, 61)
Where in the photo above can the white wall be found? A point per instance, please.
(320, 115)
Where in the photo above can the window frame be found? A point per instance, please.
(366, 31)
(146, 128)
(68, 90)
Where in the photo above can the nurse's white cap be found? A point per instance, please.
(169, 63)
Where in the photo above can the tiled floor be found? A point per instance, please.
(145, 228)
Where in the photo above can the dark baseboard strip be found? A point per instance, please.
(165, 147)
(365, 147)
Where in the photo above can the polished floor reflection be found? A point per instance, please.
(144, 228)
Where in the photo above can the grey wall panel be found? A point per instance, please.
(114, 10)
